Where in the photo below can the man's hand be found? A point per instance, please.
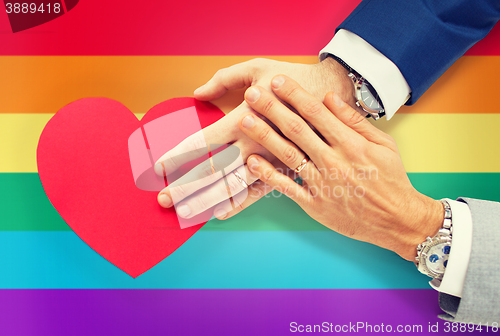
(354, 179)
(317, 79)
(202, 192)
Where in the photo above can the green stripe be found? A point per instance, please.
(25, 207)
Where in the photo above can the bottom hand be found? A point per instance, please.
(201, 188)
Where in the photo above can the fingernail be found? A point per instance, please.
(253, 163)
(183, 210)
(164, 200)
(198, 90)
(252, 94)
(277, 81)
(248, 121)
(220, 213)
(336, 99)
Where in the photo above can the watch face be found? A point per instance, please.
(369, 97)
(437, 258)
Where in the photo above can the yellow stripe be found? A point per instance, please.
(44, 84)
(427, 142)
(446, 143)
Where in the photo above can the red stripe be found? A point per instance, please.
(218, 27)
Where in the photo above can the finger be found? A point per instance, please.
(256, 191)
(268, 174)
(311, 109)
(235, 77)
(241, 201)
(286, 151)
(234, 183)
(204, 174)
(290, 124)
(193, 147)
(351, 118)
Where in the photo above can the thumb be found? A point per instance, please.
(354, 120)
(235, 77)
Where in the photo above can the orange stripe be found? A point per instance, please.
(468, 86)
(44, 84)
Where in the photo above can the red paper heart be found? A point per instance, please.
(84, 166)
(28, 14)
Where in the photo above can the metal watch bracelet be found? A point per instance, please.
(443, 237)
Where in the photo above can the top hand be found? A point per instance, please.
(186, 192)
(354, 182)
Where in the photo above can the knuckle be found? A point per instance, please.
(178, 193)
(285, 189)
(391, 139)
(219, 73)
(290, 156)
(255, 68)
(392, 143)
(233, 185)
(267, 175)
(345, 141)
(264, 135)
(199, 142)
(355, 118)
(170, 161)
(255, 64)
(295, 127)
(291, 94)
(206, 170)
(329, 160)
(196, 143)
(268, 106)
(312, 108)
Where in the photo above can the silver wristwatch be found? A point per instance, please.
(433, 253)
(364, 93)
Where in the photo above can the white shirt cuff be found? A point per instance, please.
(461, 246)
(380, 71)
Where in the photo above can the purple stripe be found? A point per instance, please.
(210, 312)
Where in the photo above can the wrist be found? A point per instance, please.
(332, 76)
(423, 218)
(335, 77)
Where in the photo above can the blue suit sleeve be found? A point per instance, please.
(422, 37)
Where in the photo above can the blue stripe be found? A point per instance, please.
(238, 259)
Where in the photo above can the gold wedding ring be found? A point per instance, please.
(240, 179)
(302, 165)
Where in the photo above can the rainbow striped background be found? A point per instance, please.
(267, 267)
